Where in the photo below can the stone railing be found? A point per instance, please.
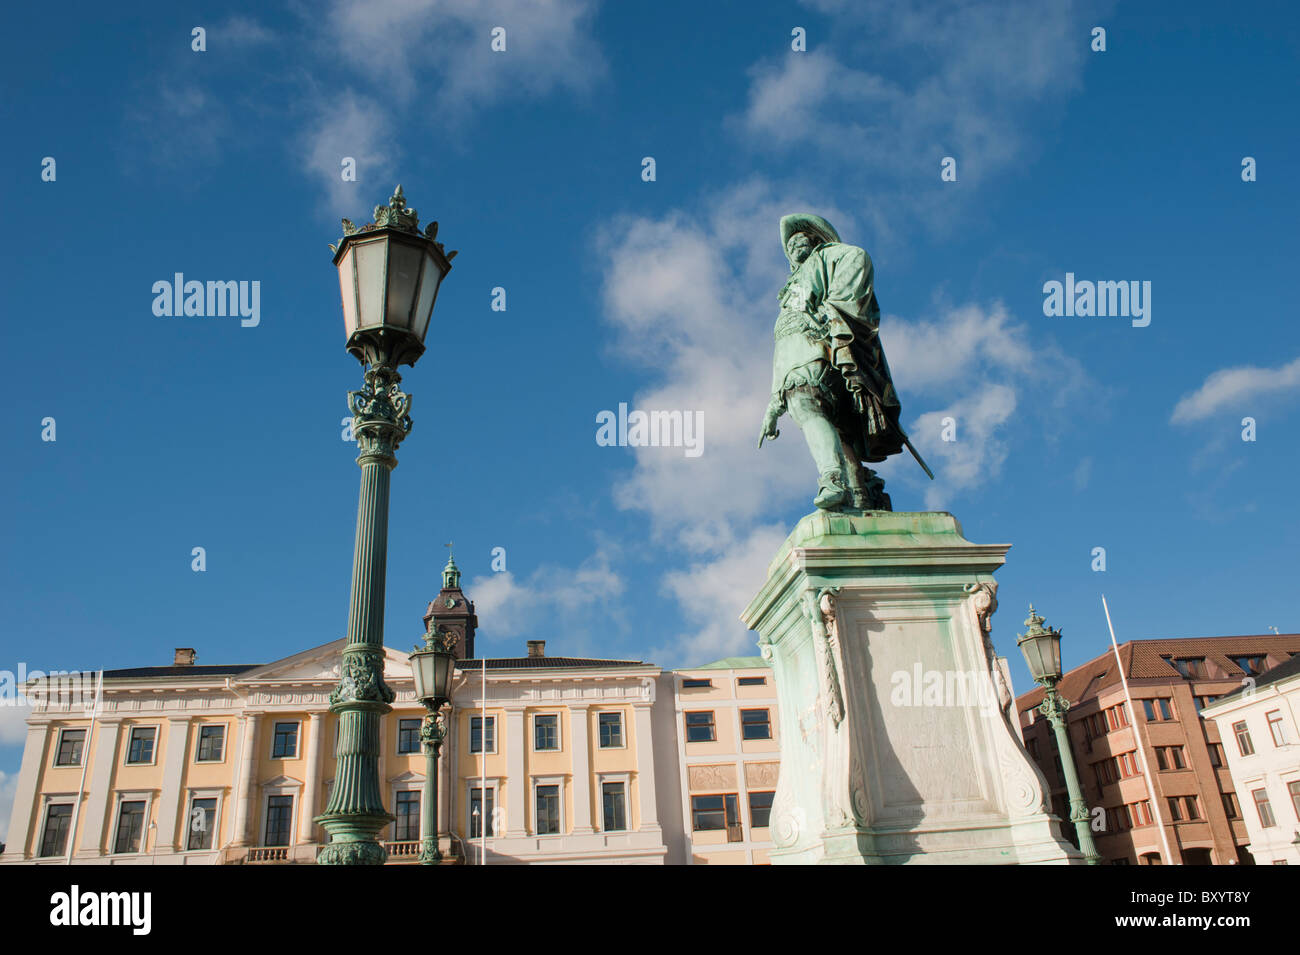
(259, 854)
(405, 851)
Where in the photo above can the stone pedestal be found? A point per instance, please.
(897, 741)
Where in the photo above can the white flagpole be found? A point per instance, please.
(1142, 754)
(482, 762)
(85, 761)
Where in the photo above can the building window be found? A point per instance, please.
(546, 731)
(1192, 808)
(1263, 808)
(611, 730)
(755, 724)
(54, 837)
(713, 812)
(1192, 668)
(408, 736)
(752, 681)
(1216, 754)
(1203, 701)
(71, 743)
(1253, 663)
(212, 743)
(1230, 807)
(1170, 757)
(699, 727)
(1141, 812)
(1242, 732)
(1294, 789)
(285, 743)
(760, 809)
(477, 814)
(613, 798)
(407, 810)
(279, 814)
(1157, 709)
(548, 810)
(1275, 727)
(1175, 809)
(202, 823)
(130, 826)
(476, 734)
(140, 749)
(1150, 858)
(696, 684)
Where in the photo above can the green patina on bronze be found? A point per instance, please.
(829, 370)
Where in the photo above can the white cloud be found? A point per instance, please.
(1235, 389)
(240, 31)
(353, 125)
(509, 606)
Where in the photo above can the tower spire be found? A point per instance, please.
(450, 573)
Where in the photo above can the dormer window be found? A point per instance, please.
(1252, 663)
(1191, 668)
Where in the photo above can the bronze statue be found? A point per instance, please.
(829, 369)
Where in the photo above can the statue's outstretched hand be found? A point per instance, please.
(769, 428)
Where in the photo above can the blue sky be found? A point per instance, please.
(1072, 433)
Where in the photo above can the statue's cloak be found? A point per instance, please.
(835, 286)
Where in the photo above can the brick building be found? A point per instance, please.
(1170, 681)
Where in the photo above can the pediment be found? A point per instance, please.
(320, 664)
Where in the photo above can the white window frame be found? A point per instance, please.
(85, 745)
(548, 781)
(286, 788)
(48, 800)
(157, 740)
(397, 740)
(494, 787)
(626, 780)
(225, 743)
(145, 796)
(1277, 728)
(419, 816)
(469, 743)
(190, 796)
(622, 728)
(559, 732)
(297, 740)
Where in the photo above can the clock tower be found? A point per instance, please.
(452, 612)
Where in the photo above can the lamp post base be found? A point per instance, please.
(353, 838)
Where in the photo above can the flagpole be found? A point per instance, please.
(1141, 748)
(85, 761)
(482, 762)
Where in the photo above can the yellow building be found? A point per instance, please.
(729, 759)
(551, 760)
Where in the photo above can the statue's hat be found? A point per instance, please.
(807, 222)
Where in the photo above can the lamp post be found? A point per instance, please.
(432, 667)
(389, 273)
(1042, 649)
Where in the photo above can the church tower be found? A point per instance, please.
(451, 611)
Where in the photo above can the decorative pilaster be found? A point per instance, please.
(247, 770)
(95, 811)
(580, 730)
(311, 786)
(22, 822)
(516, 781)
(645, 766)
(169, 799)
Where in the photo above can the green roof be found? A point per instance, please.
(734, 663)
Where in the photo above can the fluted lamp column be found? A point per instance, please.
(389, 273)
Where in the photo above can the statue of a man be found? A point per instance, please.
(828, 368)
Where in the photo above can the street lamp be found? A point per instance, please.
(432, 667)
(389, 273)
(1042, 649)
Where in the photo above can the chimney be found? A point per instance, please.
(184, 657)
(537, 648)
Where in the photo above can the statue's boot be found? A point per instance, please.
(868, 491)
(832, 495)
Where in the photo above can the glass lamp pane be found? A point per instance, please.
(371, 256)
(348, 288)
(403, 276)
(419, 675)
(428, 292)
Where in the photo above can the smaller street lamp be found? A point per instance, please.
(1042, 649)
(432, 668)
